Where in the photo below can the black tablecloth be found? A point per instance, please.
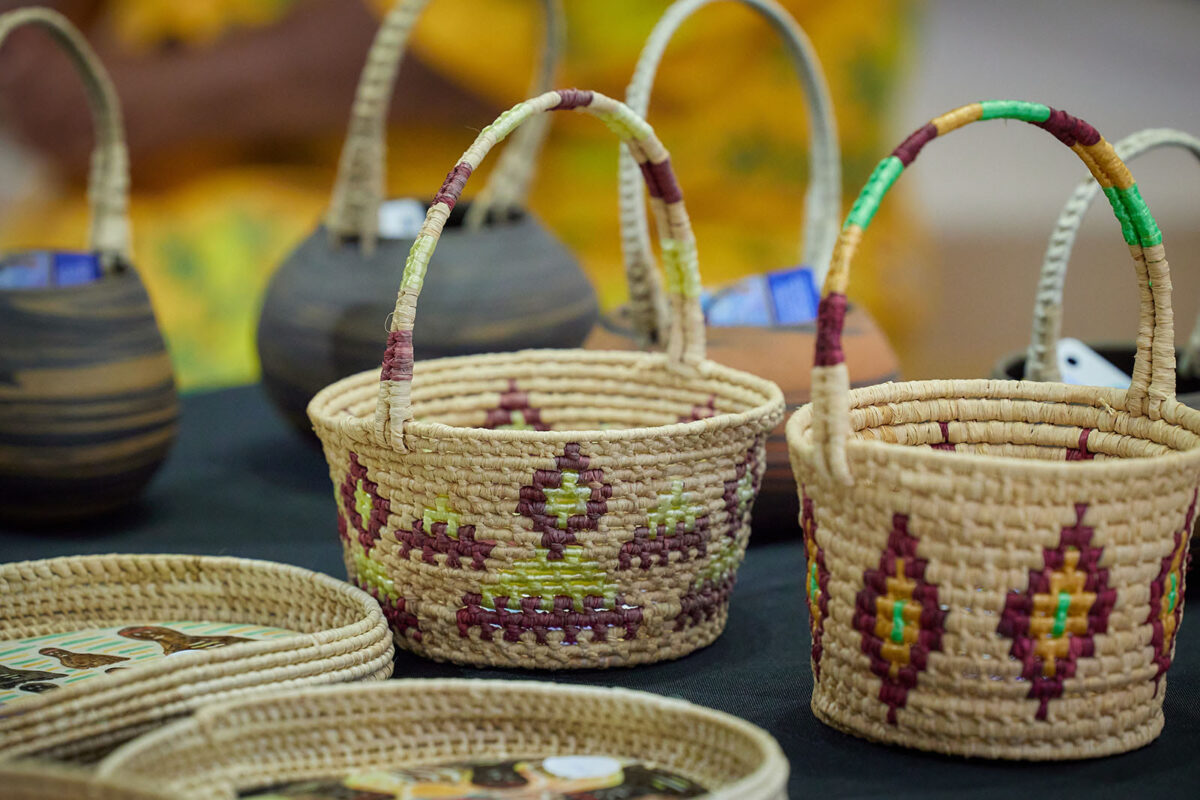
(240, 483)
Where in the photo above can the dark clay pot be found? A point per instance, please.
(510, 286)
(782, 354)
(1121, 355)
(88, 408)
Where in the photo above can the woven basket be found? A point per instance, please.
(996, 568)
(1038, 363)
(550, 508)
(46, 781)
(327, 732)
(342, 637)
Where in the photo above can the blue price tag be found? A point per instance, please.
(784, 297)
(41, 269)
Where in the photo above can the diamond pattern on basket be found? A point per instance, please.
(741, 491)
(557, 589)
(439, 532)
(676, 525)
(898, 615)
(1167, 594)
(514, 412)
(1054, 622)
(566, 500)
(817, 580)
(364, 509)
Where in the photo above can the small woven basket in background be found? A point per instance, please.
(551, 508)
(341, 636)
(996, 568)
(276, 737)
(1038, 363)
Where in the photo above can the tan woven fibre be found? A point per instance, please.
(997, 568)
(344, 638)
(551, 508)
(328, 732)
(28, 780)
(480, 473)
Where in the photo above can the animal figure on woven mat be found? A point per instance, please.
(81, 660)
(12, 678)
(173, 641)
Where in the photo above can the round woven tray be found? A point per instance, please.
(997, 568)
(342, 636)
(327, 732)
(551, 508)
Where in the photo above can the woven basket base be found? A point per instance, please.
(528, 653)
(836, 714)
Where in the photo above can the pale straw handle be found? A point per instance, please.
(823, 201)
(1154, 368)
(1040, 361)
(108, 179)
(685, 341)
(359, 187)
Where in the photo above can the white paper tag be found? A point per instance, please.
(1081, 365)
(401, 219)
(579, 767)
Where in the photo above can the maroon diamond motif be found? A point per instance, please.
(1167, 595)
(816, 584)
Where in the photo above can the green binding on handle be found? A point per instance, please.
(1154, 370)
(358, 189)
(108, 179)
(822, 202)
(685, 343)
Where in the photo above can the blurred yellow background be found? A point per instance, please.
(236, 111)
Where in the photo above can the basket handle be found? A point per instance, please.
(685, 341)
(1154, 370)
(108, 177)
(1040, 361)
(822, 202)
(358, 189)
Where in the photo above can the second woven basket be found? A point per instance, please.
(996, 568)
(551, 508)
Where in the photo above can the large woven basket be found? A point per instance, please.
(550, 508)
(328, 732)
(341, 636)
(1038, 362)
(996, 568)
(27, 780)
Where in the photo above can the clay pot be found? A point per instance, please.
(508, 286)
(87, 399)
(500, 280)
(87, 396)
(777, 354)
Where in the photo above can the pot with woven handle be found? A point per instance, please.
(749, 347)
(87, 396)
(328, 302)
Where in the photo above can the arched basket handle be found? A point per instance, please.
(685, 342)
(1154, 370)
(108, 178)
(1040, 361)
(823, 200)
(359, 187)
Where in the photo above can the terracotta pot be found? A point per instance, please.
(779, 354)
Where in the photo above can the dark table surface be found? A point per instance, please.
(240, 483)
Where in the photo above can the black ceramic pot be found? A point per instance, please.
(508, 286)
(87, 399)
